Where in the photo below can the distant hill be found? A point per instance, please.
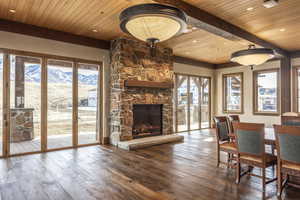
(33, 74)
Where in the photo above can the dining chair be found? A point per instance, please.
(288, 156)
(224, 142)
(290, 120)
(233, 118)
(250, 143)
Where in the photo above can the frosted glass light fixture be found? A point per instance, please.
(252, 56)
(152, 22)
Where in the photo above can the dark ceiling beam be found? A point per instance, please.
(189, 61)
(31, 30)
(218, 26)
(227, 65)
(295, 54)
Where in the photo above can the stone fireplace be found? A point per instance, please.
(140, 81)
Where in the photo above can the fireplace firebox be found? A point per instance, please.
(147, 120)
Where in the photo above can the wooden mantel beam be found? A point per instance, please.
(36, 31)
(204, 20)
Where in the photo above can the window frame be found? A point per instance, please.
(224, 93)
(255, 89)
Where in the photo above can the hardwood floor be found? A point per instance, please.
(183, 171)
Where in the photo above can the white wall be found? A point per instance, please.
(247, 116)
(45, 46)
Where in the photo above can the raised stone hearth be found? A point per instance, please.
(149, 141)
(132, 60)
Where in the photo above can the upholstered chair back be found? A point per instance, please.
(222, 129)
(288, 142)
(291, 123)
(249, 138)
(233, 118)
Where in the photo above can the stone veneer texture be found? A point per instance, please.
(132, 60)
(21, 124)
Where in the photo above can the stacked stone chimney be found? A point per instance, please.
(133, 60)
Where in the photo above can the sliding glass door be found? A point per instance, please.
(88, 103)
(47, 103)
(1, 104)
(205, 102)
(192, 102)
(182, 103)
(25, 104)
(60, 104)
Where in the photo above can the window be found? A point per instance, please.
(233, 93)
(296, 86)
(266, 92)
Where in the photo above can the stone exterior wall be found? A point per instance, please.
(21, 124)
(132, 60)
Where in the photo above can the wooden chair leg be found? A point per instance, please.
(279, 181)
(279, 185)
(218, 158)
(273, 149)
(264, 179)
(228, 160)
(238, 172)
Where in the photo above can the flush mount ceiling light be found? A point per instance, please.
(270, 3)
(252, 56)
(153, 22)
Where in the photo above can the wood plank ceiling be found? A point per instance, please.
(279, 25)
(74, 16)
(81, 17)
(204, 46)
